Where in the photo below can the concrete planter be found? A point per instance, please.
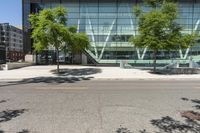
(10, 66)
(180, 70)
(184, 71)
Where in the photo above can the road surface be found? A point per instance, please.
(96, 106)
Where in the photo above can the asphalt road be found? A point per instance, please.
(91, 106)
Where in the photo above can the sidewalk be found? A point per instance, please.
(95, 73)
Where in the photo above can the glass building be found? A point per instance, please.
(2, 46)
(109, 25)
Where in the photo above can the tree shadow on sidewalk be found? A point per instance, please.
(77, 72)
(65, 76)
(47, 80)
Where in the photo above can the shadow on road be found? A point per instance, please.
(197, 102)
(123, 130)
(8, 115)
(3, 101)
(23, 131)
(167, 124)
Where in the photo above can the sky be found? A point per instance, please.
(11, 12)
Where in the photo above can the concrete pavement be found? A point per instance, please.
(111, 73)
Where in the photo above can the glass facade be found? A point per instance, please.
(110, 23)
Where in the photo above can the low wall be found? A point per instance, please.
(184, 71)
(10, 66)
(180, 70)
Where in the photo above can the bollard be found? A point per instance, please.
(191, 63)
(121, 64)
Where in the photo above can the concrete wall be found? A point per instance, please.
(10, 66)
(84, 59)
(29, 58)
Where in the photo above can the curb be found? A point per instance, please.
(114, 79)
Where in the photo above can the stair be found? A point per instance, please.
(90, 58)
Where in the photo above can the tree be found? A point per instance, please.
(158, 29)
(77, 43)
(49, 29)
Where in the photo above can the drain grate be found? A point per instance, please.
(191, 115)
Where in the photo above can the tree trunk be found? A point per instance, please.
(65, 53)
(46, 57)
(36, 58)
(58, 69)
(72, 58)
(154, 60)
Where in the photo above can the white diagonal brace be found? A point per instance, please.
(197, 25)
(78, 27)
(186, 53)
(93, 39)
(195, 29)
(144, 52)
(181, 53)
(107, 38)
(138, 53)
(134, 34)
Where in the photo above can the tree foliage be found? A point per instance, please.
(49, 29)
(158, 29)
(154, 3)
(77, 42)
(137, 10)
